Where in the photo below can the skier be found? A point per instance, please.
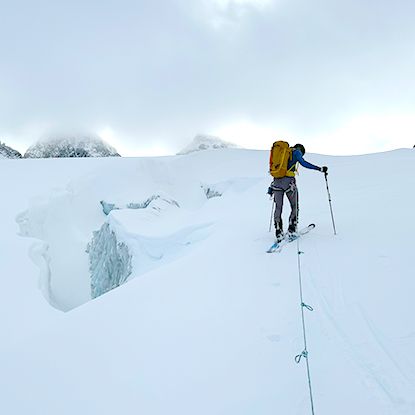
(283, 166)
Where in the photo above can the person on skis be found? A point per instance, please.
(283, 165)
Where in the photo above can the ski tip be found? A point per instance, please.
(272, 248)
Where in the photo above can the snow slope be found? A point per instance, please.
(208, 323)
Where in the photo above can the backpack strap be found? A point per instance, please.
(292, 171)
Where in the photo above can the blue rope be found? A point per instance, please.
(304, 353)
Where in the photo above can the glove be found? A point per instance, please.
(324, 169)
(270, 191)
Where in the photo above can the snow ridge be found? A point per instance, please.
(71, 146)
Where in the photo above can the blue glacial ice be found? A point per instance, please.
(110, 261)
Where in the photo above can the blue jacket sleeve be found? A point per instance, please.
(298, 156)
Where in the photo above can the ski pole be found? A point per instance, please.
(331, 208)
(272, 214)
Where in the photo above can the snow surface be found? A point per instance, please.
(208, 323)
(71, 146)
(206, 142)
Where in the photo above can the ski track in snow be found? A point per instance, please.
(378, 362)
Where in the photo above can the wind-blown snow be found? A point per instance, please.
(207, 322)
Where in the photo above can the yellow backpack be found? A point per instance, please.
(281, 153)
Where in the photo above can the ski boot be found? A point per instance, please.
(279, 233)
(292, 231)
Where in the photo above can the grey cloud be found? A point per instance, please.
(162, 70)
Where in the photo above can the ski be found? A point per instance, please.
(277, 246)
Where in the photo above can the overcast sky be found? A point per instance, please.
(336, 75)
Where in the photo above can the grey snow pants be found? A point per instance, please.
(288, 186)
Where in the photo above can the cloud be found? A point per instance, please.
(227, 14)
(155, 76)
(364, 133)
(228, 5)
(255, 3)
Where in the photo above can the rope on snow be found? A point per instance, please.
(304, 353)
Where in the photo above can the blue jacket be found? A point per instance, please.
(298, 158)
